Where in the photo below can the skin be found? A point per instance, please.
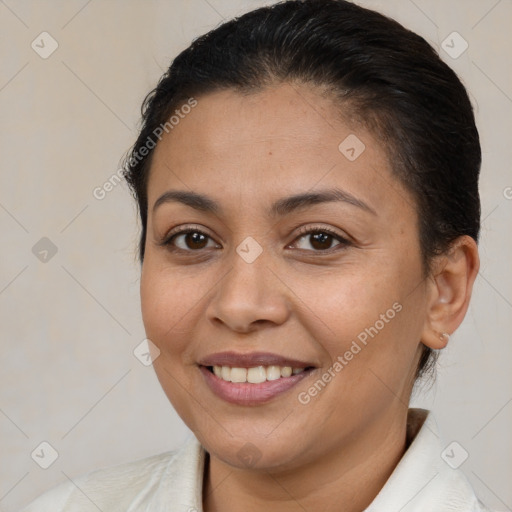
(245, 152)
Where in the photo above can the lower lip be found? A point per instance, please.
(245, 393)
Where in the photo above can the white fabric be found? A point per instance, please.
(172, 482)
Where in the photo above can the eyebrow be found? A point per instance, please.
(281, 207)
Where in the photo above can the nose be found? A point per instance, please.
(249, 296)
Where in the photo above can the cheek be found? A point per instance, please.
(345, 303)
(168, 305)
(370, 319)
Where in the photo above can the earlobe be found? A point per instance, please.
(434, 339)
(451, 284)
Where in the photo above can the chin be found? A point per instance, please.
(253, 450)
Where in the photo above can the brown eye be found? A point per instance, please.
(195, 240)
(189, 240)
(320, 240)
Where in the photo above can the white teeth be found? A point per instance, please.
(238, 375)
(255, 375)
(273, 373)
(225, 373)
(286, 371)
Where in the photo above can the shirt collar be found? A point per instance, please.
(427, 477)
(422, 480)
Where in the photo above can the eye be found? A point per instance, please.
(320, 239)
(189, 239)
(317, 239)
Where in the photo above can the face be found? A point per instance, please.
(284, 253)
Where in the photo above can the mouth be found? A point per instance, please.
(252, 379)
(255, 374)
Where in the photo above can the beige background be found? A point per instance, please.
(69, 325)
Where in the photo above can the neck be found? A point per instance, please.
(345, 477)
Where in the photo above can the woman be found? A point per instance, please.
(307, 182)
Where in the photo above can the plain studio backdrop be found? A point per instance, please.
(72, 79)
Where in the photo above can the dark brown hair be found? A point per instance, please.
(387, 77)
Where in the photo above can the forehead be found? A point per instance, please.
(285, 138)
(283, 116)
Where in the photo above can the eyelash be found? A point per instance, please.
(343, 242)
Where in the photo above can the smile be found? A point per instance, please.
(254, 375)
(252, 379)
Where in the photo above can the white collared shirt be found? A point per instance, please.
(172, 481)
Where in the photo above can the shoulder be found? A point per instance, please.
(425, 479)
(111, 488)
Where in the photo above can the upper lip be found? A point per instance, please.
(252, 359)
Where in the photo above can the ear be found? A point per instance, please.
(450, 286)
